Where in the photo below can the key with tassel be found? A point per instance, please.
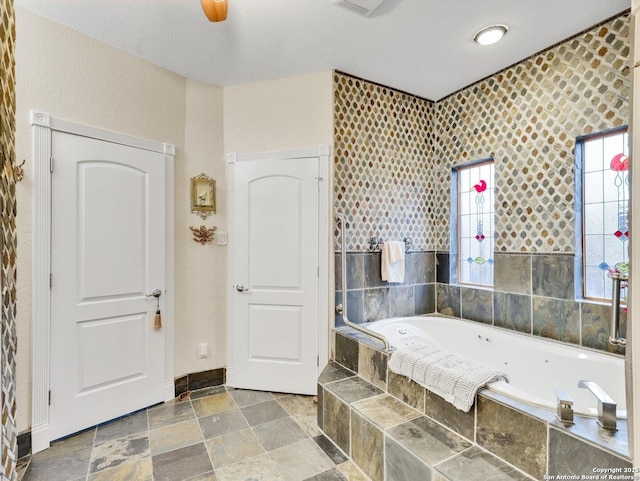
(157, 323)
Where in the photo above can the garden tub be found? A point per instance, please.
(535, 366)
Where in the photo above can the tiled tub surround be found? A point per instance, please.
(392, 178)
(395, 430)
(369, 298)
(532, 294)
(393, 160)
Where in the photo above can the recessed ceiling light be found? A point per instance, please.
(491, 34)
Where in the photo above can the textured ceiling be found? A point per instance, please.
(423, 47)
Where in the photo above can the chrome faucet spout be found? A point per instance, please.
(607, 417)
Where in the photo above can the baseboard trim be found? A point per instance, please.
(200, 380)
(24, 444)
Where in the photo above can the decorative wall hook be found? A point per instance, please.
(203, 234)
(18, 171)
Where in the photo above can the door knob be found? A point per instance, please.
(157, 293)
(241, 288)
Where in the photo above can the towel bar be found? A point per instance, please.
(375, 243)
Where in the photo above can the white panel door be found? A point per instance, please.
(275, 266)
(108, 251)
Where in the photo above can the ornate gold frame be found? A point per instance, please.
(203, 196)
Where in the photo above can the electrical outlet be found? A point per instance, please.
(222, 238)
(203, 350)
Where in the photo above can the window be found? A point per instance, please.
(603, 159)
(475, 222)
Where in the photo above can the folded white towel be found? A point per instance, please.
(392, 261)
(451, 377)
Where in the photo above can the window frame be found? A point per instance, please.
(579, 210)
(455, 241)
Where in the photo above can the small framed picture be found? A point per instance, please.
(203, 196)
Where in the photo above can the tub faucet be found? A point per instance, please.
(564, 410)
(606, 406)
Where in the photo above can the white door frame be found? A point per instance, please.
(42, 125)
(324, 242)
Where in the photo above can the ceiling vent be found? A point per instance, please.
(361, 7)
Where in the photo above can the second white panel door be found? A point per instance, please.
(275, 266)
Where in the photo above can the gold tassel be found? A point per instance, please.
(158, 321)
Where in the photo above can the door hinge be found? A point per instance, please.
(51, 164)
(50, 280)
(317, 361)
(49, 398)
(318, 272)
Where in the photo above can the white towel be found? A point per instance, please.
(453, 378)
(392, 258)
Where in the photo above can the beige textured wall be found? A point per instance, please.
(77, 78)
(200, 271)
(284, 114)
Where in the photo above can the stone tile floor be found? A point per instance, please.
(216, 434)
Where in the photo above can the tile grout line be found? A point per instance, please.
(309, 436)
(254, 433)
(293, 417)
(250, 427)
(204, 441)
(197, 420)
(93, 443)
(290, 416)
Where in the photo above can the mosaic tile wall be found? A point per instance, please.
(384, 151)
(527, 118)
(8, 238)
(394, 152)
